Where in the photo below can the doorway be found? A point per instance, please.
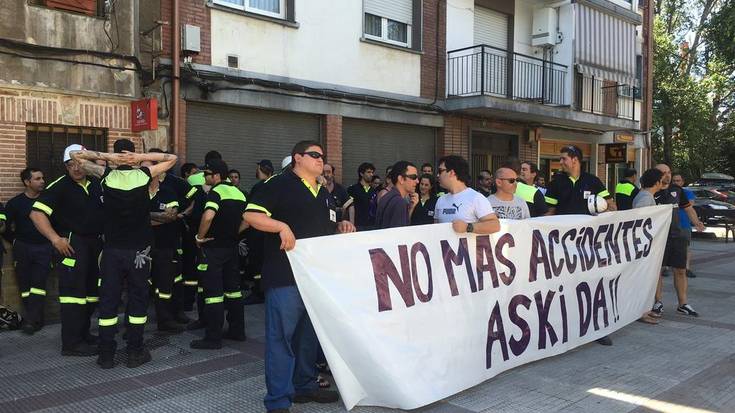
(490, 150)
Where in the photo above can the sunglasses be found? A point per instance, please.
(313, 154)
(440, 170)
(412, 177)
(509, 180)
(208, 173)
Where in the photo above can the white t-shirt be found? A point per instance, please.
(468, 206)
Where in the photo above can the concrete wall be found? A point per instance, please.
(56, 28)
(323, 48)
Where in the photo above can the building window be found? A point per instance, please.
(45, 145)
(272, 8)
(389, 21)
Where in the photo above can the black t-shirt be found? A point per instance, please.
(483, 192)
(673, 195)
(307, 211)
(183, 190)
(72, 207)
(625, 192)
(339, 196)
(423, 213)
(569, 196)
(362, 197)
(19, 225)
(228, 203)
(165, 236)
(126, 208)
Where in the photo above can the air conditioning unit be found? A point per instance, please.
(544, 27)
(80, 6)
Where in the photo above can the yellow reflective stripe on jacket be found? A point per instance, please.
(214, 300)
(3, 217)
(137, 320)
(106, 322)
(196, 179)
(93, 299)
(233, 295)
(526, 192)
(256, 207)
(54, 182)
(43, 207)
(37, 291)
(624, 188)
(212, 205)
(126, 180)
(604, 193)
(178, 278)
(69, 262)
(229, 192)
(551, 201)
(72, 300)
(202, 267)
(200, 290)
(25, 294)
(164, 296)
(191, 192)
(172, 204)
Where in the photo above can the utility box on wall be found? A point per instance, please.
(190, 39)
(544, 27)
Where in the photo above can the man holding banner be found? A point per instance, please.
(292, 205)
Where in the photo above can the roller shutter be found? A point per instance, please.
(383, 144)
(491, 28)
(244, 136)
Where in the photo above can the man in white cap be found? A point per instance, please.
(67, 213)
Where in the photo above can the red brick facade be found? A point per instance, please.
(333, 142)
(454, 137)
(195, 13)
(433, 58)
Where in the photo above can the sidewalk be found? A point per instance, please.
(681, 363)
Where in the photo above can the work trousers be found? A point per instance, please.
(221, 283)
(163, 271)
(32, 266)
(188, 270)
(78, 285)
(120, 265)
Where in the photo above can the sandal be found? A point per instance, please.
(322, 382)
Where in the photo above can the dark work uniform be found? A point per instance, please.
(254, 259)
(569, 196)
(291, 344)
(221, 280)
(163, 255)
(32, 253)
(424, 212)
(184, 194)
(339, 196)
(675, 255)
(625, 192)
(74, 210)
(534, 199)
(125, 257)
(192, 262)
(362, 198)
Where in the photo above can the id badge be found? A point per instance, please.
(587, 194)
(332, 215)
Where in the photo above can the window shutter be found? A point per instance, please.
(491, 28)
(398, 10)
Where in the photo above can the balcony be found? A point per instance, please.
(607, 98)
(486, 70)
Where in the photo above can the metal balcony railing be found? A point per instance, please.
(488, 70)
(604, 97)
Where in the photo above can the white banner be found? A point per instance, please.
(412, 315)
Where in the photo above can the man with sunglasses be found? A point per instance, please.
(294, 206)
(505, 203)
(396, 206)
(569, 190)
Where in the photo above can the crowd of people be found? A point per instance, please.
(121, 224)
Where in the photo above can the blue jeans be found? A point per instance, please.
(291, 348)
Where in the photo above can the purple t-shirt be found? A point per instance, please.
(392, 211)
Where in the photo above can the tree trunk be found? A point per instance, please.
(668, 149)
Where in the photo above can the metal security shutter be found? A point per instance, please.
(383, 144)
(245, 136)
(398, 10)
(491, 28)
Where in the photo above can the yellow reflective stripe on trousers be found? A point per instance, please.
(69, 262)
(178, 278)
(202, 267)
(25, 294)
(180, 251)
(99, 282)
(93, 299)
(72, 300)
(191, 283)
(37, 291)
(137, 320)
(214, 300)
(200, 290)
(3, 217)
(233, 295)
(106, 322)
(164, 296)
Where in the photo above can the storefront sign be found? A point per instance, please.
(624, 137)
(616, 152)
(144, 115)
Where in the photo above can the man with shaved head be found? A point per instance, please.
(505, 203)
(675, 255)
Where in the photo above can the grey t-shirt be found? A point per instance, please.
(515, 209)
(644, 199)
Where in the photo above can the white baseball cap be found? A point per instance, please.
(286, 162)
(73, 147)
(596, 204)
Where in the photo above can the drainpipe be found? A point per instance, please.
(176, 85)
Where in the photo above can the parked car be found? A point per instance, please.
(712, 212)
(716, 180)
(713, 192)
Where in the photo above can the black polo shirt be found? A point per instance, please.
(339, 196)
(183, 190)
(625, 192)
(126, 208)
(72, 207)
(362, 197)
(569, 196)
(423, 213)
(309, 212)
(534, 199)
(673, 195)
(165, 236)
(18, 212)
(228, 203)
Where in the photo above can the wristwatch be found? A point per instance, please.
(470, 227)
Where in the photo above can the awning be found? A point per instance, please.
(604, 46)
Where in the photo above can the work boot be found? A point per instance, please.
(196, 325)
(205, 345)
(28, 328)
(229, 335)
(80, 350)
(317, 396)
(181, 318)
(91, 339)
(170, 327)
(137, 358)
(106, 359)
